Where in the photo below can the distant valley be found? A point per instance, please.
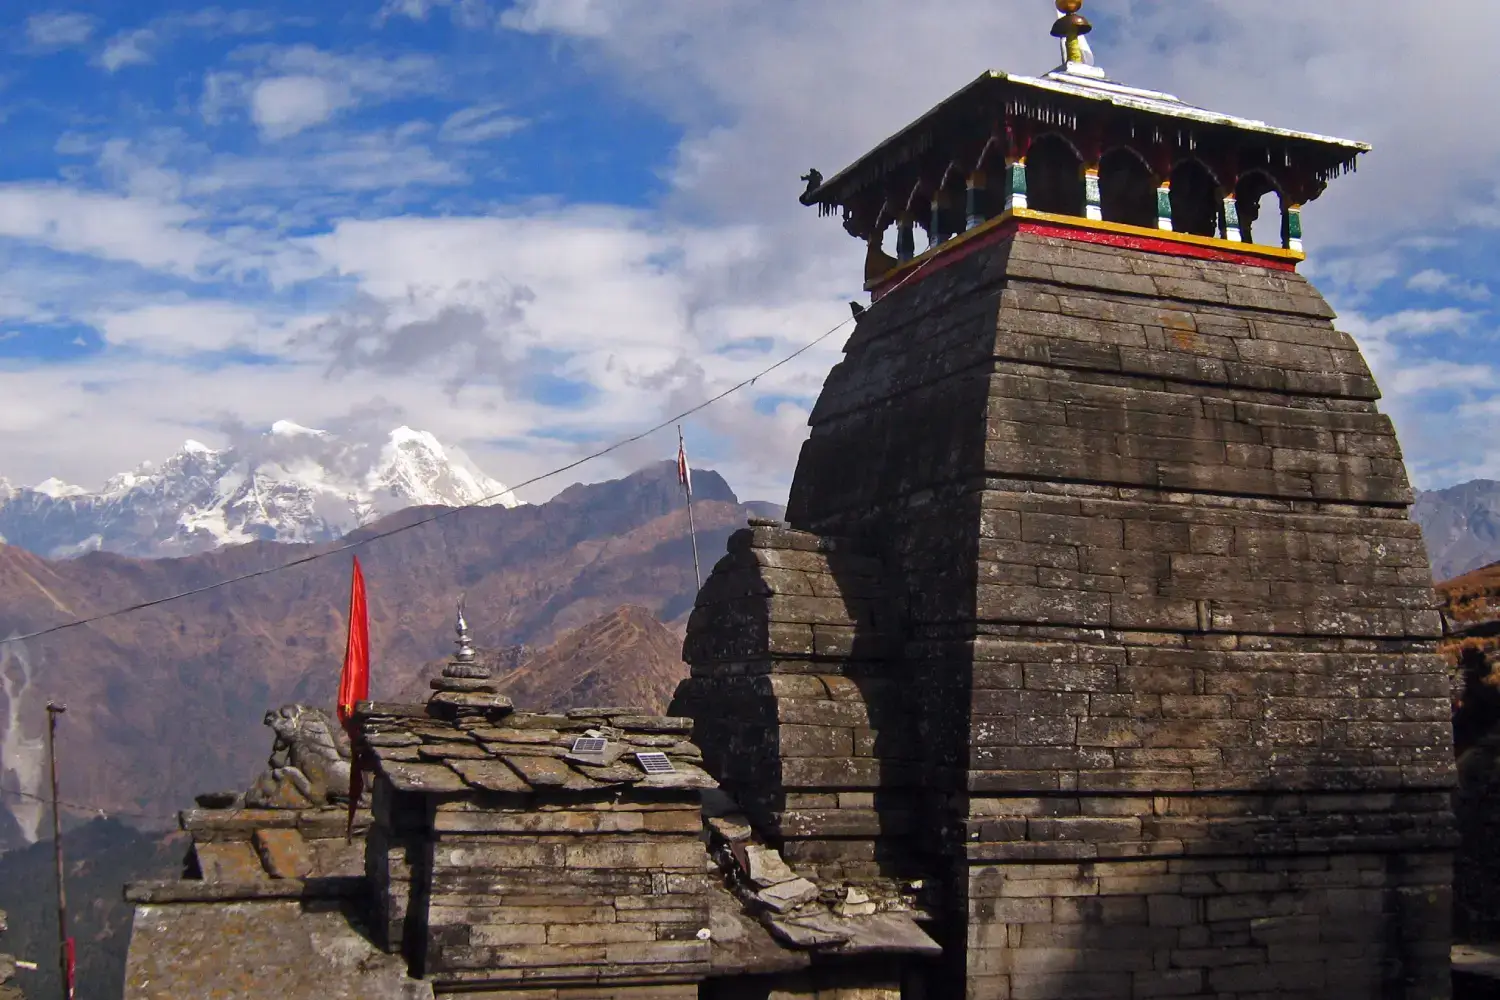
(167, 702)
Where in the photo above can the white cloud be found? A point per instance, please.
(480, 123)
(284, 105)
(59, 29)
(135, 230)
(188, 327)
(1435, 282)
(292, 89)
(579, 18)
(659, 308)
(465, 13)
(1432, 376)
(129, 48)
(140, 46)
(1422, 322)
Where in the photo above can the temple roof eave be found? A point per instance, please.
(895, 150)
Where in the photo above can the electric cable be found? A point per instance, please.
(450, 511)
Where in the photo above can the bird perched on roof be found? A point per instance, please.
(858, 310)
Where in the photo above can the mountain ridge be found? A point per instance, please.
(1460, 526)
(167, 701)
(290, 484)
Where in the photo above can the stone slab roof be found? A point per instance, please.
(254, 950)
(500, 751)
(238, 845)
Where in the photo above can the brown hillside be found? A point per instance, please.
(1471, 613)
(168, 701)
(626, 657)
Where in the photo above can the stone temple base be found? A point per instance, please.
(1165, 633)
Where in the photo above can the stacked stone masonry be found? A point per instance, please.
(1166, 637)
(797, 704)
(499, 853)
(508, 860)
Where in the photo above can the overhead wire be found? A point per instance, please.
(80, 807)
(450, 511)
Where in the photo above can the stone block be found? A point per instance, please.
(687, 855)
(229, 861)
(284, 853)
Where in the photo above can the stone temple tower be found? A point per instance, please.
(1098, 613)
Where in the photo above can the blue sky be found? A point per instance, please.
(531, 226)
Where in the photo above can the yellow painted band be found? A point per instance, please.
(1075, 222)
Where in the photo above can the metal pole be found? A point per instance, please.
(693, 532)
(688, 489)
(65, 973)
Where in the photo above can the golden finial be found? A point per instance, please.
(1071, 28)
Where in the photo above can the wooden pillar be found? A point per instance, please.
(906, 237)
(1015, 183)
(974, 196)
(1232, 220)
(1291, 227)
(937, 230)
(1093, 207)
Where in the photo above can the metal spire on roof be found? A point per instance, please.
(465, 652)
(1070, 29)
(464, 667)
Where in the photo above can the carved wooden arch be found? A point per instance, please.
(1215, 175)
(1037, 137)
(1050, 187)
(953, 171)
(1202, 219)
(1131, 201)
(918, 204)
(1248, 202)
(991, 145)
(1130, 146)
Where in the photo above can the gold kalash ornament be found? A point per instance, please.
(1071, 28)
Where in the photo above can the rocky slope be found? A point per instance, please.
(167, 701)
(626, 657)
(293, 484)
(101, 856)
(1461, 526)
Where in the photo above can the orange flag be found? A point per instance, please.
(354, 682)
(354, 686)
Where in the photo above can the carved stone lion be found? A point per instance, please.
(309, 763)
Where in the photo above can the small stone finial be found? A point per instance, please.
(464, 667)
(465, 651)
(1070, 29)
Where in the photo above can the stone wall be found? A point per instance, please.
(796, 706)
(568, 889)
(1164, 607)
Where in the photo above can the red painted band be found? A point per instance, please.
(1149, 245)
(1171, 248)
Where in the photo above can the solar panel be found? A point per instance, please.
(655, 763)
(589, 744)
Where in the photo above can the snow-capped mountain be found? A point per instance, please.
(292, 484)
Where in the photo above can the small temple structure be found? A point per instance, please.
(1096, 657)
(1075, 154)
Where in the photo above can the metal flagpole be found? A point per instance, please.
(65, 967)
(687, 486)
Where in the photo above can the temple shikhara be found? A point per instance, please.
(1096, 657)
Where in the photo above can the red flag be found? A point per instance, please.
(354, 686)
(72, 967)
(354, 682)
(684, 474)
